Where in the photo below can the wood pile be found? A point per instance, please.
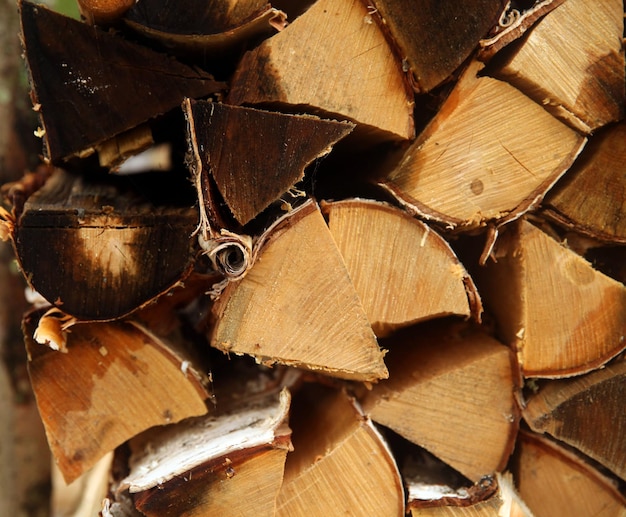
(327, 258)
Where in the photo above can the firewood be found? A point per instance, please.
(490, 497)
(562, 316)
(585, 412)
(103, 11)
(341, 465)
(436, 38)
(589, 198)
(252, 173)
(581, 78)
(390, 257)
(84, 496)
(207, 29)
(230, 463)
(85, 83)
(540, 470)
(304, 67)
(109, 249)
(489, 154)
(83, 395)
(462, 410)
(285, 311)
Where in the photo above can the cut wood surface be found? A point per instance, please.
(541, 467)
(90, 75)
(490, 153)
(230, 463)
(341, 465)
(106, 249)
(83, 395)
(590, 198)
(285, 311)
(461, 410)
(581, 78)
(435, 38)
(251, 173)
(562, 316)
(303, 67)
(402, 270)
(586, 412)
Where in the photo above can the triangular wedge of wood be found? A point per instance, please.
(561, 315)
(297, 305)
(403, 271)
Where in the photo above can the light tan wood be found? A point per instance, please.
(589, 199)
(586, 412)
(341, 464)
(581, 78)
(116, 380)
(230, 463)
(359, 79)
(402, 270)
(490, 153)
(451, 391)
(556, 483)
(562, 316)
(297, 306)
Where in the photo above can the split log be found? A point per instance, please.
(562, 316)
(435, 39)
(540, 470)
(83, 395)
(206, 29)
(251, 173)
(585, 412)
(391, 257)
(461, 410)
(230, 463)
(89, 75)
(108, 248)
(589, 199)
(490, 154)
(285, 311)
(581, 78)
(302, 67)
(341, 465)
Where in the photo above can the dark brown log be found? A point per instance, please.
(255, 156)
(436, 37)
(99, 249)
(213, 29)
(89, 85)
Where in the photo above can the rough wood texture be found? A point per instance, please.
(303, 66)
(390, 257)
(586, 412)
(207, 29)
(444, 405)
(436, 37)
(108, 249)
(581, 78)
(255, 156)
(341, 465)
(490, 153)
(285, 311)
(541, 466)
(226, 464)
(89, 75)
(83, 395)
(589, 199)
(562, 316)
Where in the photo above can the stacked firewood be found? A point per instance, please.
(328, 258)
